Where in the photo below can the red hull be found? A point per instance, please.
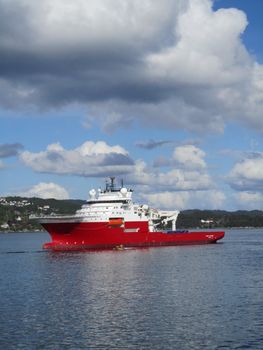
(87, 235)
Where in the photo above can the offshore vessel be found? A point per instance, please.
(110, 220)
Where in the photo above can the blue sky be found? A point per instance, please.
(167, 96)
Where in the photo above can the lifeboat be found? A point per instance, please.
(116, 222)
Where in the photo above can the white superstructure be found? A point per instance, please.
(116, 203)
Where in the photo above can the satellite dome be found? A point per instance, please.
(92, 193)
(124, 191)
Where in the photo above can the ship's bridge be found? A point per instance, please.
(111, 194)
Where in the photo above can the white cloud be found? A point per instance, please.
(60, 24)
(46, 190)
(201, 55)
(174, 64)
(90, 159)
(178, 179)
(191, 157)
(115, 121)
(211, 199)
(204, 73)
(249, 200)
(99, 159)
(251, 108)
(247, 175)
(187, 108)
(191, 175)
(189, 186)
(167, 200)
(2, 165)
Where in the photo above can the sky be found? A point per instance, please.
(166, 95)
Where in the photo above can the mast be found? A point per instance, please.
(112, 183)
(110, 186)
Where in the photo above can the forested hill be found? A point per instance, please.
(15, 212)
(220, 218)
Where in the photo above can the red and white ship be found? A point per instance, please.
(110, 220)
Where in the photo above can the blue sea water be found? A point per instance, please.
(194, 297)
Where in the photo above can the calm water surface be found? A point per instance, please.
(198, 297)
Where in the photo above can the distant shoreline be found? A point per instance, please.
(15, 215)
